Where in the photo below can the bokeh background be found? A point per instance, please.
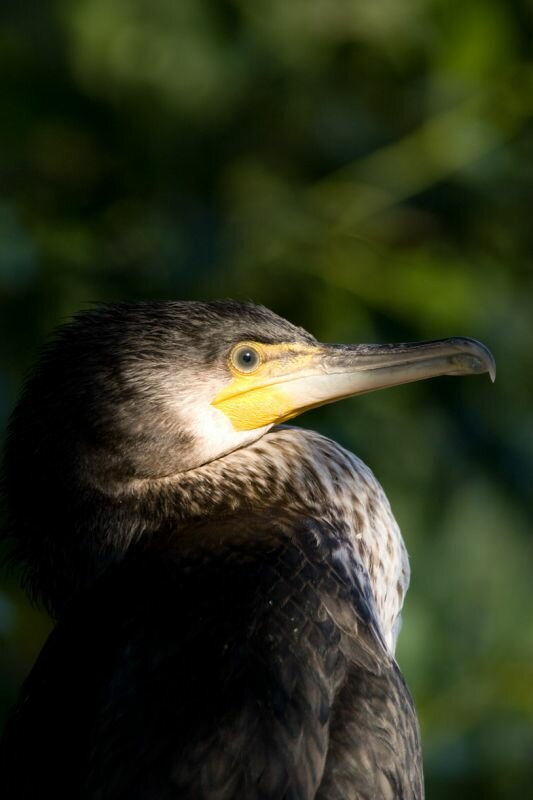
(366, 170)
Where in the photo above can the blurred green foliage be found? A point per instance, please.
(365, 169)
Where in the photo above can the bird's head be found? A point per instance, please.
(133, 393)
(145, 390)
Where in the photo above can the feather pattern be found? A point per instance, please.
(228, 603)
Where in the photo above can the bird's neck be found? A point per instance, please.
(303, 472)
(287, 469)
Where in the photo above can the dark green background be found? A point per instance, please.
(363, 168)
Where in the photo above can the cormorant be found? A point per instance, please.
(228, 589)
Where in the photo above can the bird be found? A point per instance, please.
(227, 587)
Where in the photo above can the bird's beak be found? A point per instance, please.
(295, 378)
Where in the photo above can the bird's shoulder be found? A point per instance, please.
(205, 665)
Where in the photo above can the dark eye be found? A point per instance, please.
(245, 358)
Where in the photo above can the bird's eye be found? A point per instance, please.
(245, 358)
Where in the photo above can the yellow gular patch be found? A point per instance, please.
(255, 400)
(255, 408)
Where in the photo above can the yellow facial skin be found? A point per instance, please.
(256, 399)
(290, 378)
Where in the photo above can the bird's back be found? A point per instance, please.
(239, 661)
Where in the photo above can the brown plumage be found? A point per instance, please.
(228, 596)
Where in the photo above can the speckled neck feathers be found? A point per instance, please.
(301, 471)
